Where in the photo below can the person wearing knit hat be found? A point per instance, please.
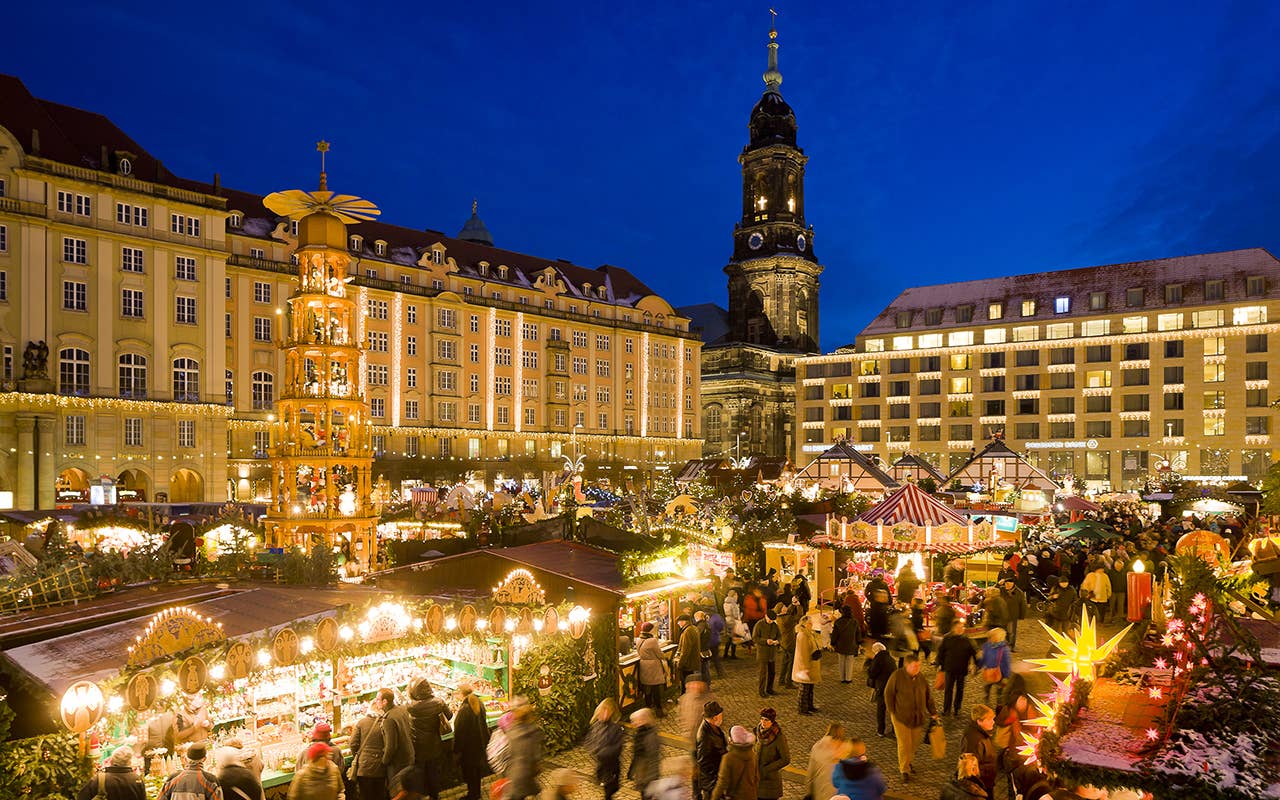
(322, 733)
(117, 779)
(689, 650)
(739, 775)
(772, 755)
(192, 782)
(788, 616)
(709, 747)
(652, 668)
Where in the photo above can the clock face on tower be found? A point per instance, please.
(801, 243)
(755, 241)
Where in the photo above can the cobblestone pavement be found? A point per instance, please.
(851, 704)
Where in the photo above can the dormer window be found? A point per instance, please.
(293, 227)
(933, 316)
(235, 220)
(586, 289)
(355, 243)
(437, 257)
(484, 268)
(502, 271)
(1061, 305)
(380, 247)
(603, 292)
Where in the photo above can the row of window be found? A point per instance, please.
(132, 259)
(81, 205)
(1214, 290)
(1031, 431)
(74, 431)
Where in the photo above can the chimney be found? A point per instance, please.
(103, 163)
(35, 141)
(217, 183)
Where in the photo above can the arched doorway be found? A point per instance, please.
(72, 486)
(133, 486)
(186, 486)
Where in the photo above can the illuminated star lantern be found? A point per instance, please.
(1047, 714)
(1028, 750)
(1079, 656)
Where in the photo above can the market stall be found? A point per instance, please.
(817, 565)
(1004, 477)
(264, 666)
(912, 468)
(841, 468)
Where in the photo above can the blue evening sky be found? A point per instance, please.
(947, 141)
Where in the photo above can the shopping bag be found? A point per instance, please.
(937, 740)
(991, 674)
(940, 681)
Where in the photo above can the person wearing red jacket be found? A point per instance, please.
(753, 607)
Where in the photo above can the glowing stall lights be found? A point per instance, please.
(218, 671)
(264, 658)
(1048, 711)
(1078, 657)
(482, 623)
(1153, 734)
(345, 633)
(538, 625)
(82, 706)
(579, 615)
(451, 623)
(306, 645)
(563, 625)
(116, 704)
(509, 625)
(167, 687)
(1139, 567)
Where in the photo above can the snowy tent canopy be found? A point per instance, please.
(843, 468)
(997, 465)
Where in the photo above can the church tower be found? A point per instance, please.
(773, 274)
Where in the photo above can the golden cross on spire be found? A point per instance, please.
(773, 24)
(322, 147)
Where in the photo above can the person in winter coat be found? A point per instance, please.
(878, 614)
(966, 785)
(604, 742)
(732, 621)
(397, 730)
(368, 742)
(1096, 589)
(854, 604)
(192, 782)
(907, 583)
(808, 665)
(425, 714)
(788, 616)
(117, 780)
(323, 733)
(563, 784)
(689, 650)
(995, 614)
(317, 778)
(996, 662)
(1119, 590)
(944, 617)
(924, 636)
(702, 622)
(1062, 610)
(877, 584)
(902, 638)
(800, 590)
(715, 623)
(646, 750)
(880, 667)
(766, 637)
(739, 776)
(652, 668)
(1015, 601)
(238, 782)
(956, 655)
(709, 747)
(826, 753)
(753, 607)
(856, 777)
(772, 754)
(676, 782)
(471, 739)
(524, 746)
(845, 638)
(978, 739)
(953, 575)
(910, 702)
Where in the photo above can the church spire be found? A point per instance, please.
(772, 77)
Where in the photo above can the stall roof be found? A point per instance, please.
(102, 652)
(574, 560)
(912, 466)
(1013, 468)
(571, 563)
(865, 474)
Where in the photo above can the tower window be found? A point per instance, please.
(791, 204)
(761, 203)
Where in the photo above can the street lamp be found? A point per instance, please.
(574, 465)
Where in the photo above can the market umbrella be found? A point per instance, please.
(1076, 503)
(1211, 506)
(1088, 530)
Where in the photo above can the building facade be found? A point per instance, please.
(161, 301)
(748, 364)
(1104, 374)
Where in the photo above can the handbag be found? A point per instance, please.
(940, 681)
(937, 740)
(992, 674)
(815, 655)
(445, 725)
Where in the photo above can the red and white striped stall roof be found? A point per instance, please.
(912, 504)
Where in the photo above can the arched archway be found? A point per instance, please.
(74, 479)
(133, 485)
(186, 486)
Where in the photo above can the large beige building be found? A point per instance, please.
(160, 304)
(1102, 373)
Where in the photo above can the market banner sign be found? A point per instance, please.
(142, 691)
(193, 674)
(174, 631)
(82, 706)
(327, 635)
(285, 648)
(239, 661)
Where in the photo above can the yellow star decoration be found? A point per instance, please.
(1079, 656)
(1048, 713)
(1028, 750)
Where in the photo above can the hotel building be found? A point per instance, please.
(161, 303)
(1102, 373)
